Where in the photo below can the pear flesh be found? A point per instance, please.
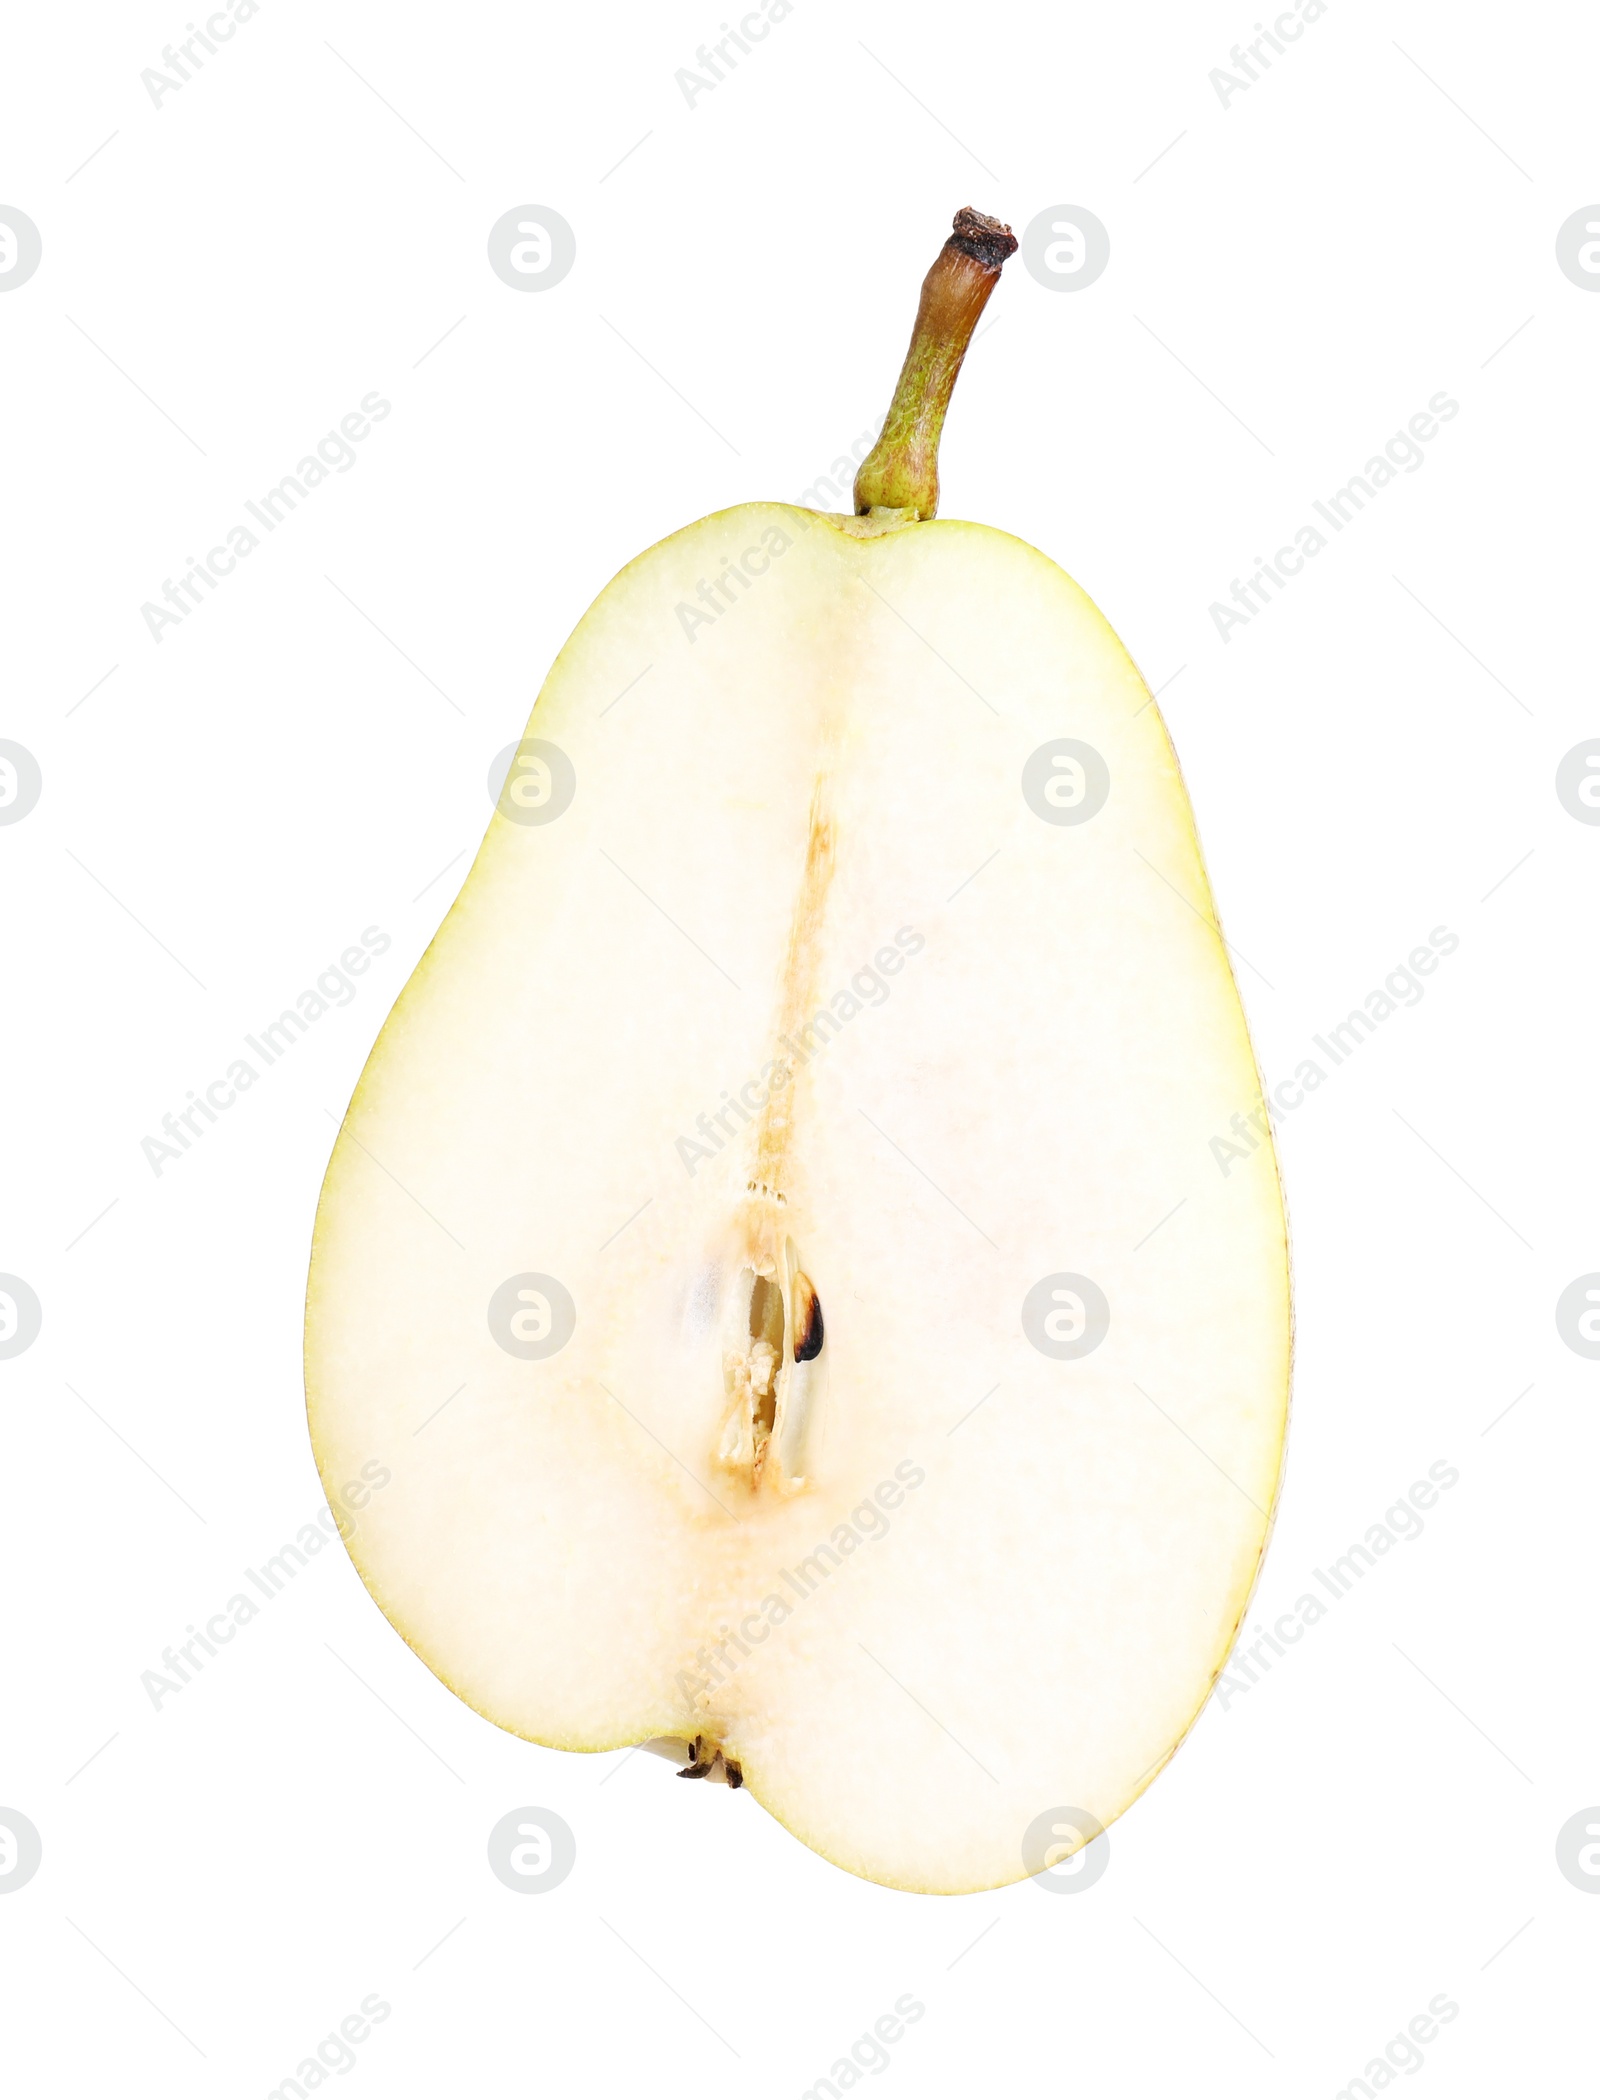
(790, 1163)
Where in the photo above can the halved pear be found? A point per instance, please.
(775, 1245)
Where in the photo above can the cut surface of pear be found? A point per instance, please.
(860, 1003)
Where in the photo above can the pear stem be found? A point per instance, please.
(901, 472)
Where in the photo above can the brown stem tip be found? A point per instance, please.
(901, 472)
(984, 239)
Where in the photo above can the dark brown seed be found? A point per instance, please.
(807, 1321)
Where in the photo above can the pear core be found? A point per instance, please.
(801, 1050)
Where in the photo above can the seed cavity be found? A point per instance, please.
(765, 1357)
(772, 1373)
(752, 1359)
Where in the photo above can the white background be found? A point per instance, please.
(1371, 222)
